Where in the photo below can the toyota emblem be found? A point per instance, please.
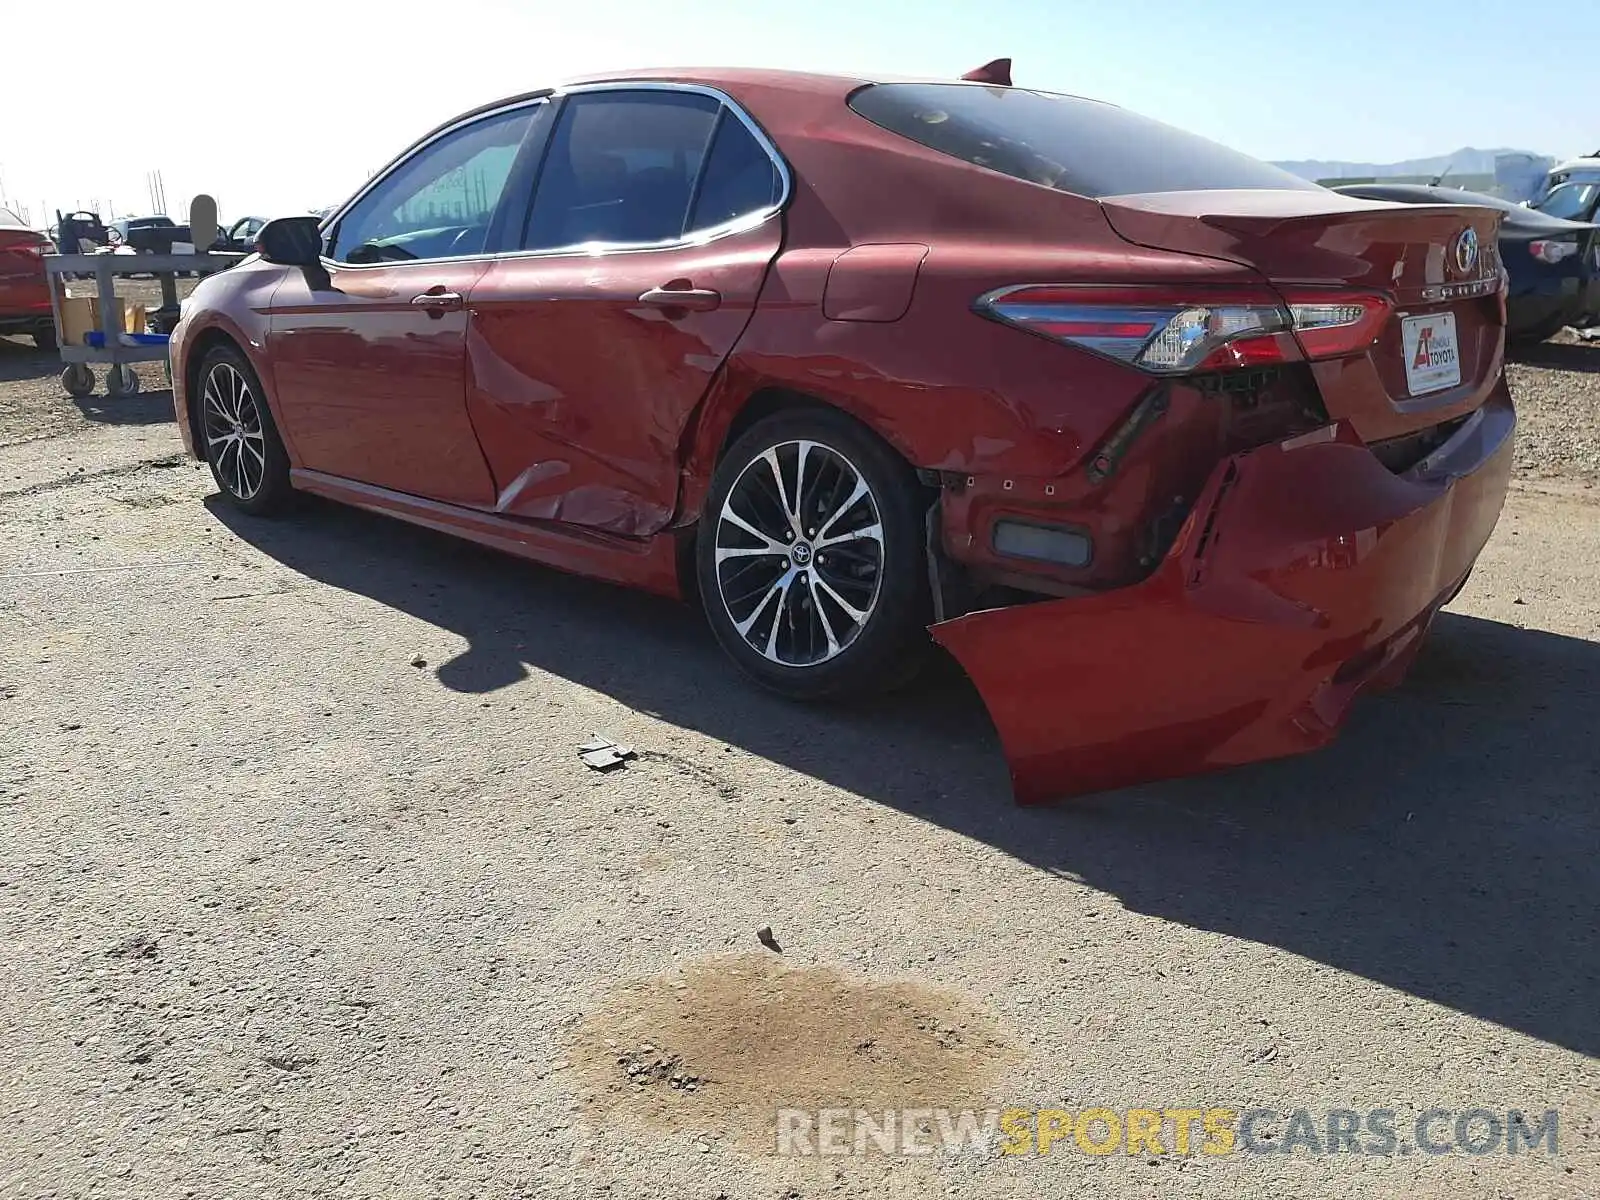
(1467, 251)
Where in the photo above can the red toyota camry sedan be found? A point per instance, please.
(1174, 452)
(24, 294)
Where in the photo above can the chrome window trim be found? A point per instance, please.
(588, 249)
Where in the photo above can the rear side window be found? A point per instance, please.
(621, 169)
(739, 179)
(1064, 142)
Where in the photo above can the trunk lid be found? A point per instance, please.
(1441, 351)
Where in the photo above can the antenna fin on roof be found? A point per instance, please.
(996, 72)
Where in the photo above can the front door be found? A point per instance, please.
(652, 224)
(369, 370)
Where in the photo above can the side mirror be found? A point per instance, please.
(291, 242)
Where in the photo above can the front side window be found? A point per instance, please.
(1064, 142)
(438, 203)
(621, 169)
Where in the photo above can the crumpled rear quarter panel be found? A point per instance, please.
(1305, 572)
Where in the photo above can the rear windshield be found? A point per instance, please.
(1063, 142)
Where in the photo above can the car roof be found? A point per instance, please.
(725, 78)
(796, 81)
(734, 80)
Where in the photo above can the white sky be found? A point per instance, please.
(285, 105)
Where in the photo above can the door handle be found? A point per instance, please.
(442, 301)
(691, 299)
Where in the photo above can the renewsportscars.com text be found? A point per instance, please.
(1167, 1130)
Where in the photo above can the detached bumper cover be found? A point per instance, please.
(1306, 572)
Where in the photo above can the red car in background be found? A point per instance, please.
(24, 294)
(1173, 451)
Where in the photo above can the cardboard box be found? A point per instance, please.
(80, 316)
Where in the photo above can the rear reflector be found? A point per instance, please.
(1042, 543)
(1168, 331)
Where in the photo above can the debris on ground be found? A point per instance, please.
(648, 1065)
(602, 754)
(765, 937)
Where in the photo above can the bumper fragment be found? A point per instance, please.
(1305, 573)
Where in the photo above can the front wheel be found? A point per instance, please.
(811, 559)
(241, 443)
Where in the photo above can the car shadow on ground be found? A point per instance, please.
(22, 362)
(1564, 356)
(1445, 846)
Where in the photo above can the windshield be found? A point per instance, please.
(1063, 142)
(1574, 201)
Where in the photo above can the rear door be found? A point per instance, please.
(370, 370)
(648, 236)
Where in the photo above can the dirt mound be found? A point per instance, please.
(723, 1045)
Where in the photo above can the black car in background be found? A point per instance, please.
(1553, 264)
(147, 235)
(1575, 200)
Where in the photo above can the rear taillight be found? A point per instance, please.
(1547, 251)
(1168, 331)
(1333, 325)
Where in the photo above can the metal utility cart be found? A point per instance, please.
(109, 347)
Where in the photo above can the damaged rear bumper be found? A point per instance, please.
(1306, 572)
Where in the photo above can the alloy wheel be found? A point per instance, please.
(799, 553)
(235, 440)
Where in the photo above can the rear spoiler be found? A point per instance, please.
(997, 72)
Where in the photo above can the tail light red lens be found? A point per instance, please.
(1553, 251)
(1332, 325)
(1168, 331)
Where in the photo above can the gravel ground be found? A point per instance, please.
(1557, 389)
(305, 893)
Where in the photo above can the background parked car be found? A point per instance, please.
(1574, 170)
(148, 235)
(24, 294)
(1575, 200)
(1553, 264)
(240, 237)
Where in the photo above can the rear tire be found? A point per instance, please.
(237, 435)
(811, 558)
(45, 339)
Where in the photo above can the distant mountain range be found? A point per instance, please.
(1466, 161)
